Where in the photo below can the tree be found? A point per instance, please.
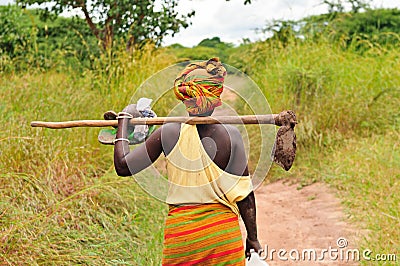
(379, 26)
(334, 6)
(15, 34)
(338, 6)
(136, 20)
(207, 48)
(28, 40)
(361, 30)
(215, 42)
(283, 31)
(358, 5)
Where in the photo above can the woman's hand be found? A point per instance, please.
(131, 109)
(253, 244)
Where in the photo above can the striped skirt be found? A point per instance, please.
(207, 234)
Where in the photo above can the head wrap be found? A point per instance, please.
(200, 85)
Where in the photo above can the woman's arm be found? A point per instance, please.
(247, 209)
(129, 162)
(247, 206)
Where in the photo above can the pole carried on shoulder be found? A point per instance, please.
(285, 143)
(191, 120)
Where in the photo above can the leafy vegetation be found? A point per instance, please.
(349, 121)
(352, 30)
(207, 48)
(372, 27)
(339, 6)
(137, 21)
(26, 40)
(61, 200)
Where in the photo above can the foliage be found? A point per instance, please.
(61, 202)
(360, 31)
(366, 174)
(283, 31)
(339, 6)
(347, 136)
(134, 20)
(215, 42)
(16, 33)
(313, 80)
(26, 40)
(69, 36)
(372, 27)
(206, 48)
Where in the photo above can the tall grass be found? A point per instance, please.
(61, 202)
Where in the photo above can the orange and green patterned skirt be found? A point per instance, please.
(206, 234)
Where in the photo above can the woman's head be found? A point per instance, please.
(199, 86)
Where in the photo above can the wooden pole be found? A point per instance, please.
(245, 119)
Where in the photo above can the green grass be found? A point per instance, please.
(103, 222)
(366, 173)
(61, 202)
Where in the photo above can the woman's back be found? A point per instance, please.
(193, 175)
(223, 144)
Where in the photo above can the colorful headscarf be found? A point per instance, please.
(200, 91)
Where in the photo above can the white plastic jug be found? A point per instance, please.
(255, 259)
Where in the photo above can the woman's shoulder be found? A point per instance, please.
(170, 133)
(230, 131)
(171, 128)
(226, 136)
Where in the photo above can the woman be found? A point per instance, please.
(209, 182)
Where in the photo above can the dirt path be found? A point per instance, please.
(309, 218)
